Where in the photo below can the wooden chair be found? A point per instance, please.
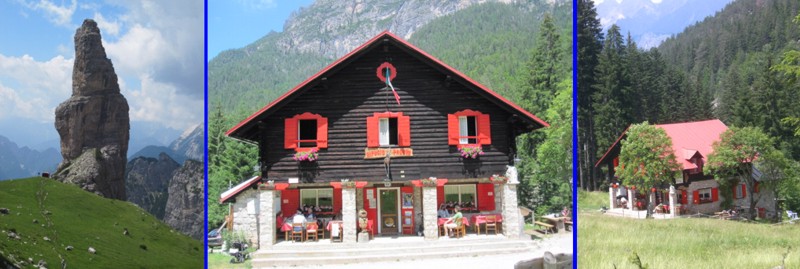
(491, 224)
(312, 229)
(337, 233)
(297, 233)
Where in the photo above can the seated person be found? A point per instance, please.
(310, 215)
(443, 212)
(454, 221)
(299, 219)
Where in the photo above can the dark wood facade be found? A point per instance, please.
(348, 91)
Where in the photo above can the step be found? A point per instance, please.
(367, 252)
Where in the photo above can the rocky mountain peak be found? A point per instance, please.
(332, 28)
(93, 123)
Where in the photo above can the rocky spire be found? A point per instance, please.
(93, 123)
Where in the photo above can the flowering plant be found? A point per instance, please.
(268, 185)
(346, 183)
(429, 182)
(498, 179)
(472, 151)
(310, 155)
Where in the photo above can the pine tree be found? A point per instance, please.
(590, 38)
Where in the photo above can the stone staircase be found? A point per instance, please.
(287, 254)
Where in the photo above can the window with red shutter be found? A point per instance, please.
(290, 202)
(714, 194)
(469, 127)
(744, 190)
(388, 129)
(302, 132)
(684, 197)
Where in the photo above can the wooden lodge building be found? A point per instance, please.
(389, 129)
(692, 191)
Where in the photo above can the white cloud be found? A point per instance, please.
(106, 26)
(60, 15)
(32, 89)
(656, 1)
(257, 4)
(160, 102)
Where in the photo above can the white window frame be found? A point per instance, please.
(383, 132)
(704, 192)
(739, 194)
(308, 193)
(463, 129)
(462, 189)
(299, 129)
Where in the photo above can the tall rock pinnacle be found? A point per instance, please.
(93, 123)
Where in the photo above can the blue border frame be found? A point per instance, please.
(205, 133)
(574, 133)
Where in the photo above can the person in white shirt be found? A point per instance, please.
(299, 218)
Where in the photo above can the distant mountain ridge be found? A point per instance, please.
(19, 162)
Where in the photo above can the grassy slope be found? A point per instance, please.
(82, 219)
(679, 243)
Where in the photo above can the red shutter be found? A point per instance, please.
(293, 202)
(744, 190)
(372, 132)
(439, 196)
(452, 129)
(696, 197)
(485, 201)
(403, 131)
(734, 192)
(484, 129)
(290, 133)
(714, 194)
(322, 132)
(755, 187)
(372, 213)
(337, 200)
(684, 197)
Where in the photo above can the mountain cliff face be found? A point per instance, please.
(16, 162)
(93, 123)
(191, 144)
(184, 208)
(332, 28)
(147, 180)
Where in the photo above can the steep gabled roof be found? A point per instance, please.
(242, 129)
(227, 195)
(688, 139)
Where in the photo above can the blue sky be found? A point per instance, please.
(233, 24)
(156, 48)
(652, 21)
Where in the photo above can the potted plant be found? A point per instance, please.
(269, 185)
(498, 179)
(429, 182)
(306, 156)
(347, 184)
(471, 151)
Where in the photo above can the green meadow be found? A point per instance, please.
(69, 216)
(609, 242)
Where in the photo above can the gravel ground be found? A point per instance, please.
(555, 244)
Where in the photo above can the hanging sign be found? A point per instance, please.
(378, 153)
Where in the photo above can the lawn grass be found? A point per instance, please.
(608, 242)
(70, 216)
(219, 260)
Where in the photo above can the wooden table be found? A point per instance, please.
(481, 219)
(557, 221)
